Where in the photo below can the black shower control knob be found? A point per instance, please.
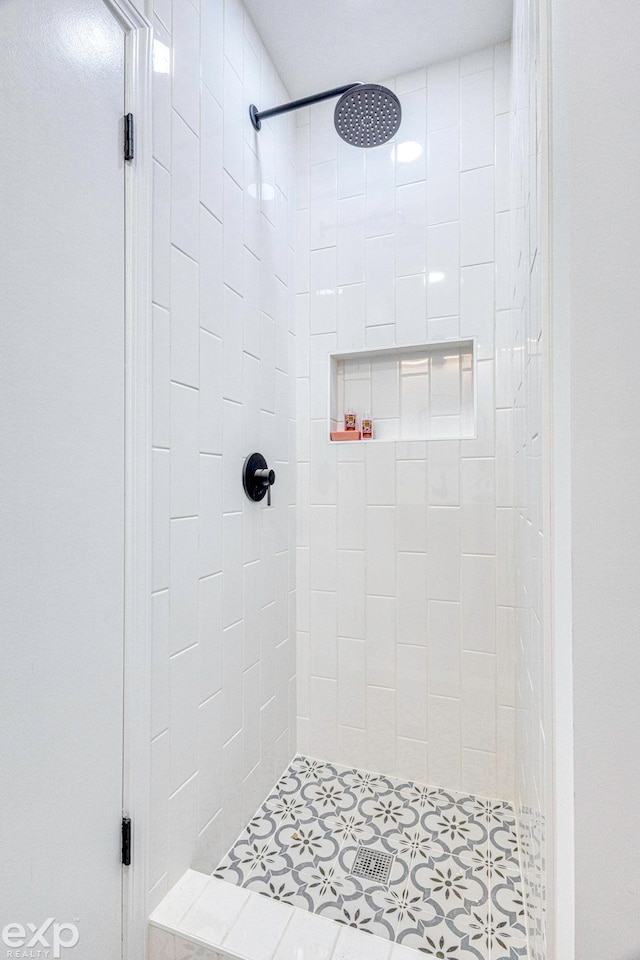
(266, 476)
(257, 478)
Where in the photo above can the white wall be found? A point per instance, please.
(223, 342)
(596, 199)
(404, 550)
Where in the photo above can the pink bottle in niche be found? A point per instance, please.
(350, 420)
(367, 427)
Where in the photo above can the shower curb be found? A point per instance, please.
(231, 923)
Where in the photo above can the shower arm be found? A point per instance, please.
(257, 116)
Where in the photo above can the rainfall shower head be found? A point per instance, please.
(366, 114)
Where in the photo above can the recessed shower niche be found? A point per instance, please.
(420, 392)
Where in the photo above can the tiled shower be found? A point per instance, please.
(386, 613)
(404, 573)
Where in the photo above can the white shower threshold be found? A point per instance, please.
(210, 919)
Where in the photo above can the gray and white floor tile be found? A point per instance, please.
(453, 889)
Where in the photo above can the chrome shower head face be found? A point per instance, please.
(367, 115)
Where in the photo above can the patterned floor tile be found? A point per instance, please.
(498, 864)
(454, 892)
(328, 796)
(504, 838)
(351, 827)
(251, 855)
(439, 941)
(425, 797)
(360, 914)
(514, 951)
(388, 812)
(309, 769)
(262, 825)
(287, 808)
(326, 883)
(492, 812)
(507, 899)
(489, 930)
(455, 832)
(283, 887)
(370, 784)
(404, 905)
(413, 843)
(451, 883)
(306, 842)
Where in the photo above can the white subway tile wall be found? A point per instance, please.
(523, 580)
(223, 683)
(401, 579)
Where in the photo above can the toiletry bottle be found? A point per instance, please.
(367, 427)
(350, 420)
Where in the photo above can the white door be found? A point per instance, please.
(62, 72)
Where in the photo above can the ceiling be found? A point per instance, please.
(316, 44)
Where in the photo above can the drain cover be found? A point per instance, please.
(372, 864)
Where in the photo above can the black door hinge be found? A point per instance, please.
(126, 841)
(128, 137)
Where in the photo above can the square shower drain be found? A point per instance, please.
(372, 864)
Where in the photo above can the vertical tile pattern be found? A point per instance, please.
(223, 385)
(521, 353)
(417, 680)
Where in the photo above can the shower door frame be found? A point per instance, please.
(138, 34)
